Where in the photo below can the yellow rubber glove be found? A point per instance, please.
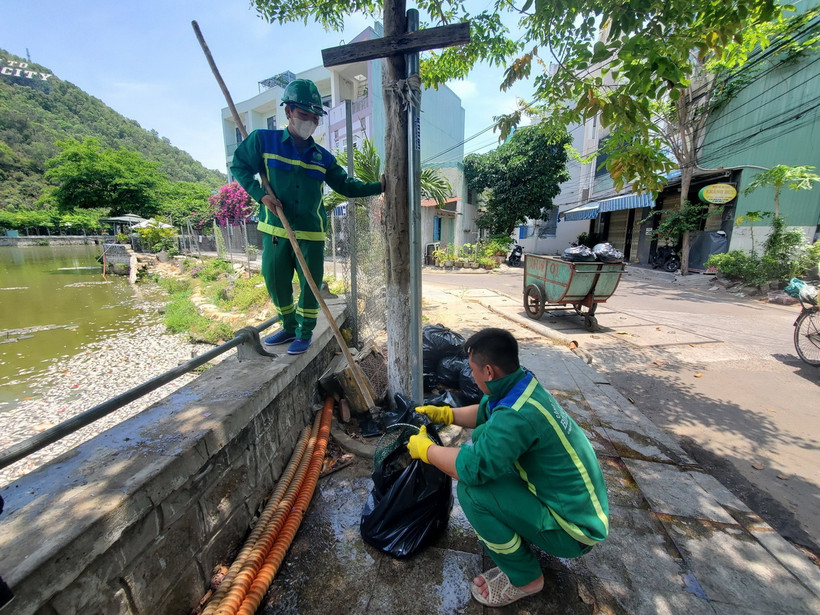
(418, 445)
(440, 415)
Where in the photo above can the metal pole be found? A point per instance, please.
(247, 246)
(351, 229)
(414, 184)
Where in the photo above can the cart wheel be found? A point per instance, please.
(534, 301)
(590, 322)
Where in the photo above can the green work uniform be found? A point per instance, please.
(530, 475)
(296, 177)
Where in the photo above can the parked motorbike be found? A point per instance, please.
(666, 258)
(514, 259)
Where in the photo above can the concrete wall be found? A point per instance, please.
(54, 240)
(134, 520)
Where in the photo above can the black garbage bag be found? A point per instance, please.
(445, 399)
(468, 389)
(607, 253)
(579, 254)
(438, 341)
(449, 370)
(409, 505)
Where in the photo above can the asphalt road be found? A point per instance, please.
(716, 370)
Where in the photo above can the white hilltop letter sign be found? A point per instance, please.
(13, 68)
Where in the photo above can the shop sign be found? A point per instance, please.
(717, 194)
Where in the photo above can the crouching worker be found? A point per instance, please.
(529, 476)
(296, 167)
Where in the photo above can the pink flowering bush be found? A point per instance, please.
(232, 204)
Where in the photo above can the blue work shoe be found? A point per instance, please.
(298, 346)
(282, 337)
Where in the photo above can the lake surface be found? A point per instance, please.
(53, 301)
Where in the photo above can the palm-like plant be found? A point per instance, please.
(367, 165)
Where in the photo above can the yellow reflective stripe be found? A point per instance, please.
(525, 395)
(574, 531)
(286, 309)
(298, 163)
(511, 546)
(307, 313)
(265, 227)
(599, 511)
(523, 474)
(309, 235)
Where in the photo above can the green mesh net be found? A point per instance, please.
(394, 436)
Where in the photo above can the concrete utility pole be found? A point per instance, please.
(402, 92)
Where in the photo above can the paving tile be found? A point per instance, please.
(673, 491)
(735, 569)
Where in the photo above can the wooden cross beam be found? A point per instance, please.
(409, 42)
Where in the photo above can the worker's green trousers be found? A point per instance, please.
(278, 264)
(506, 516)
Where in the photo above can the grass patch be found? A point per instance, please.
(215, 280)
(181, 316)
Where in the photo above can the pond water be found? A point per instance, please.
(53, 301)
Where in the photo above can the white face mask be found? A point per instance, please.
(301, 128)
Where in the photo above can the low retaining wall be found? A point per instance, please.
(54, 240)
(134, 520)
(120, 259)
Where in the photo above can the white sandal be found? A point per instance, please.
(501, 591)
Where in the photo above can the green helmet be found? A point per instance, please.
(304, 94)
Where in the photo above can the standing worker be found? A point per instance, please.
(530, 474)
(295, 166)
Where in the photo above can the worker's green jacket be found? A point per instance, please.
(296, 180)
(522, 432)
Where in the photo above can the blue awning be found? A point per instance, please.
(629, 201)
(589, 211)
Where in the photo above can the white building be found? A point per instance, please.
(442, 130)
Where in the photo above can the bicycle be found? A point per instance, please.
(807, 332)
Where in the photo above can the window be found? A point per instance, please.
(600, 159)
(238, 136)
(436, 228)
(271, 121)
(549, 225)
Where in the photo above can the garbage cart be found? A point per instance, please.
(551, 281)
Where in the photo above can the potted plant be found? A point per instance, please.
(438, 256)
(450, 256)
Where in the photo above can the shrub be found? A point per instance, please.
(212, 270)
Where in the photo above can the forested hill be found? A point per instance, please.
(37, 109)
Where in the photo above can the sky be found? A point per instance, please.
(143, 60)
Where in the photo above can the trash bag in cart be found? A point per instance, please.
(410, 503)
(578, 254)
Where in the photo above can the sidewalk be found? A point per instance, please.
(680, 542)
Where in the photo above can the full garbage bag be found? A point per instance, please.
(579, 254)
(607, 253)
(437, 342)
(449, 369)
(468, 389)
(409, 505)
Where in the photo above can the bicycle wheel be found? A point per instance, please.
(807, 337)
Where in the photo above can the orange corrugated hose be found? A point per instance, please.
(250, 568)
(262, 523)
(274, 559)
(258, 554)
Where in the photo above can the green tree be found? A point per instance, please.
(780, 176)
(520, 178)
(85, 175)
(183, 202)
